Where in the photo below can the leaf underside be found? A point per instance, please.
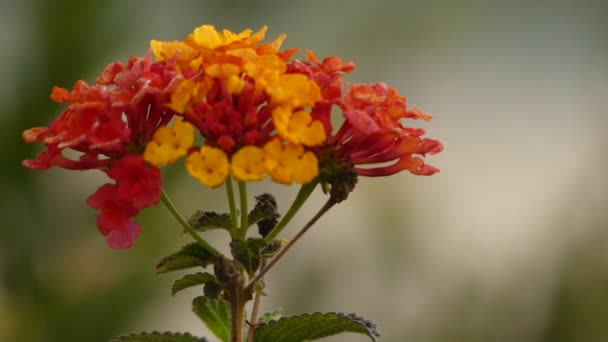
(215, 313)
(309, 327)
(191, 255)
(190, 280)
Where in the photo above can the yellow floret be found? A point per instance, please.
(164, 51)
(182, 96)
(265, 70)
(294, 90)
(229, 74)
(222, 70)
(234, 84)
(229, 36)
(257, 37)
(209, 165)
(245, 54)
(298, 127)
(247, 164)
(207, 37)
(169, 144)
(289, 163)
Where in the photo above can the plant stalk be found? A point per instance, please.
(255, 310)
(237, 308)
(232, 205)
(244, 210)
(330, 203)
(167, 202)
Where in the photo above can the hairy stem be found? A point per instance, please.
(167, 202)
(330, 203)
(237, 307)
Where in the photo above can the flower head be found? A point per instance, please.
(240, 96)
(110, 124)
(259, 112)
(373, 133)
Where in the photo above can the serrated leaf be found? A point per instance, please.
(215, 313)
(248, 253)
(271, 316)
(206, 220)
(156, 336)
(309, 327)
(191, 255)
(190, 280)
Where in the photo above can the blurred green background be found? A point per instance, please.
(507, 243)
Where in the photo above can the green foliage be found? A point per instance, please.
(191, 255)
(309, 327)
(248, 253)
(212, 289)
(190, 280)
(271, 316)
(207, 220)
(159, 337)
(215, 313)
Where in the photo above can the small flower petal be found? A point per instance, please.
(209, 165)
(169, 144)
(289, 163)
(247, 164)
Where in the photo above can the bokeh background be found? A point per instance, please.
(507, 243)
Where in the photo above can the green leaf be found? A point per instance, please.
(309, 327)
(248, 253)
(212, 289)
(206, 220)
(190, 280)
(215, 313)
(191, 255)
(159, 337)
(271, 316)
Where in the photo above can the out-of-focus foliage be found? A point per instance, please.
(506, 244)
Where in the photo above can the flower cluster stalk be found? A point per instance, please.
(232, 205)
(169, 205)
(330, 203)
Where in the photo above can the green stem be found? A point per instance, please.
(244, 211)
(305, 192)
(167, 202)
(231, 203)
(330, 203)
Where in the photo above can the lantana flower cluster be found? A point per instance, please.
(229, 105)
